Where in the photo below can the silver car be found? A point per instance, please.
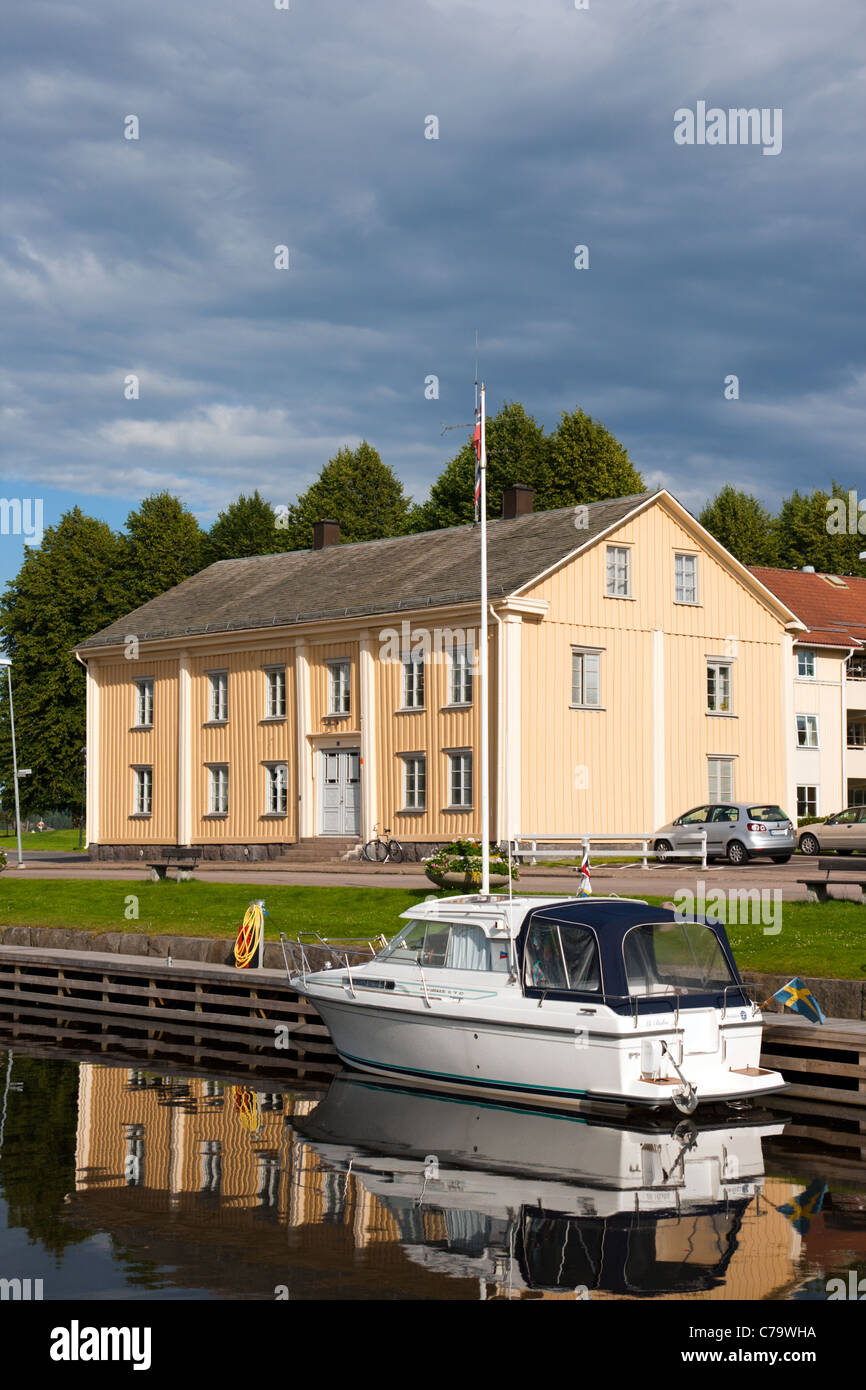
(845, 832)
(735, 830)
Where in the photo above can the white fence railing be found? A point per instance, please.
(535, 847)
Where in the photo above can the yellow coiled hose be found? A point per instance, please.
(250, 935)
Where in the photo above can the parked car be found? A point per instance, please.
(736, 830)
(844, 832)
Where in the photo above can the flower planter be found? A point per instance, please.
(469, 882)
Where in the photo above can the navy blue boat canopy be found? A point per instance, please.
(628, 955)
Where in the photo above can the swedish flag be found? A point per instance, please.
(802, 1208)
(797, 996)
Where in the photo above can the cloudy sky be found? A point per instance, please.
(306, 127)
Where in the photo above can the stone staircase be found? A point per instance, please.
(317, 849)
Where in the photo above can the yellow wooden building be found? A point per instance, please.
(636, 669)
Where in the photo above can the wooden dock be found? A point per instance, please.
(200, 1015)
(821, 1062)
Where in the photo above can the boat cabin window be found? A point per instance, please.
(452, 945)
(561, 956)
(674, 956)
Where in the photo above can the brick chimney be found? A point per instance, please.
(516, 501)
(325, 533)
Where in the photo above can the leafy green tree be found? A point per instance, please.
(164, 545)
(67, 588)
(813, 529)
(517, 452)
(248, 526)
(588, 464)
(742, 525)
(357, 489)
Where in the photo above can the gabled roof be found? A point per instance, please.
(833, 607)
(404, 573)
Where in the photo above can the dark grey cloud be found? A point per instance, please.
(306, 127)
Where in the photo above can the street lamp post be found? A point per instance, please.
(4, 661)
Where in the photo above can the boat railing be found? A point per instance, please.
(534, 846)
(297, 961)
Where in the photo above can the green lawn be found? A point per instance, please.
(47, 839)
(815, 938)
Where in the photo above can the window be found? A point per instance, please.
(218, 800)
(684, 956)
(857, 796)
(561, 956)
(806, 665)
(856, 733)
(585, 677)
(857, 668)
(807, 730)
(718, 687)
(144, 703)
(699, 816)
(143, 791)
(275, 702)
(686, 578)
(339, 687)
(414, 782)
(448, 945)
(461, 779)
(460, 684)
(618, 571)
(721, 779)
(218, 709)
(413, 682)
(807, 801)
(277, 775)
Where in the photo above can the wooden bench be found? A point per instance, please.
(817, 884)
(184, 862)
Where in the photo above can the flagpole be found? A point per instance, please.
(485, 751)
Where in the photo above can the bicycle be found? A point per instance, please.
(383, 851)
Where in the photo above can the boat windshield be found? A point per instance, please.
(674, 956)
(450, 945)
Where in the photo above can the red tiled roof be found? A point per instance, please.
(834, 616)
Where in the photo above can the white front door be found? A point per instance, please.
(340, 793)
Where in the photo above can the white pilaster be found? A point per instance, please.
(789, 729)
(658, 713)
(367, 685)
(306, 806)
(512, 735)
(184, 750)
(92, 737)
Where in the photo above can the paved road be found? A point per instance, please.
(657, 880)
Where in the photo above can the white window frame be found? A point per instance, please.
(812, 654)
(339, 687)
(716, 767)
(460, 769)
(275, 692)
(413, 682)
(810, 724)
(461, 662)
(807, 787)
(144, 702)
(683, 559)
(579, 682)
(617, 582)
(218, 789)
(717, 665)
(218, 697)
(143, 791)
(414, 781)
(853, 723)
(276, 792)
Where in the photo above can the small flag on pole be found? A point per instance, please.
(476, 441)
(585, 876)
(797, 996)
(801, 1209)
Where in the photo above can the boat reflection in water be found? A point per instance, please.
(531, 1200)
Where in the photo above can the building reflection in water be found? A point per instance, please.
(456, 1199)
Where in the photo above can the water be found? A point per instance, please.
(120, 1183)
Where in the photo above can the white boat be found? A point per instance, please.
(564, 1002)
(534, 1200)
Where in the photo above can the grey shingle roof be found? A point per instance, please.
(387, 576)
